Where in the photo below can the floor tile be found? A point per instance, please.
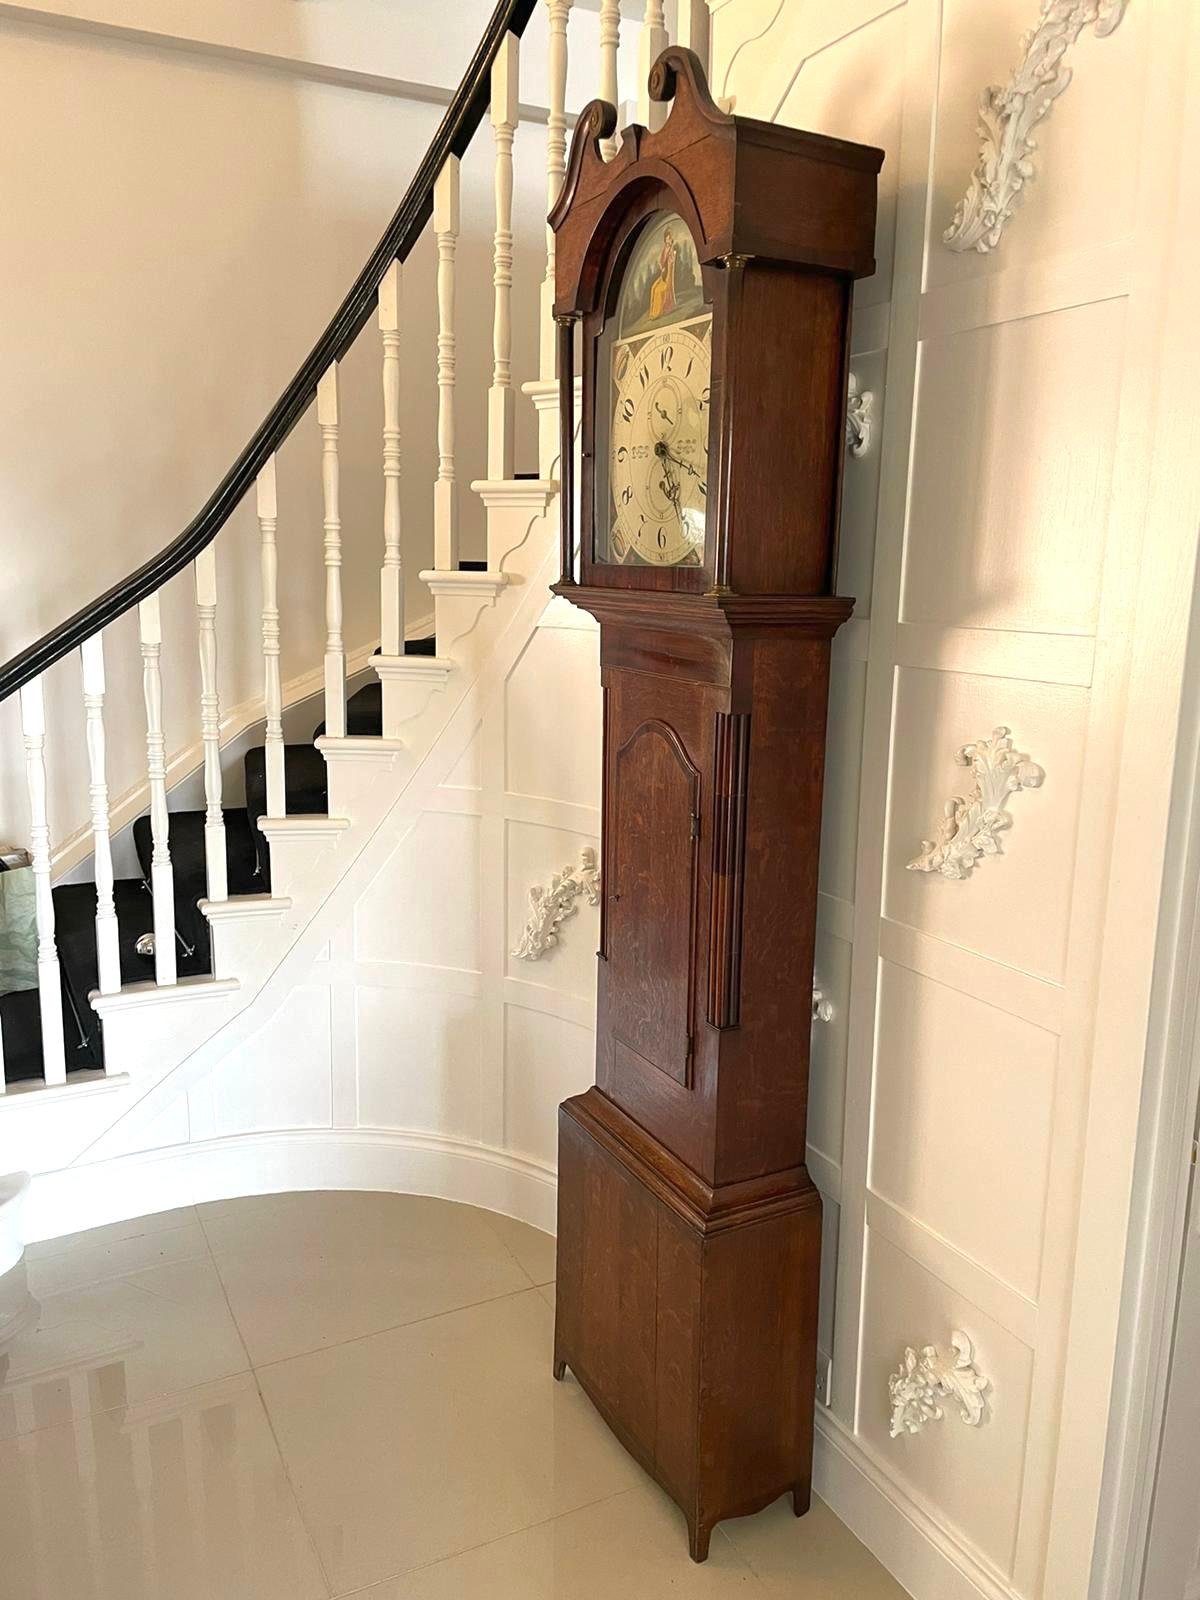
(533, 1249)
(107, 1344)
(415, 1444)
(313, 1271)
(110, 1232)
(632, 1547)
(185, 1499)
(89, 1260)
(814, 1557)
(546, 1290)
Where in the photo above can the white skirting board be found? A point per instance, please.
(276, 1163)
(921, 1555)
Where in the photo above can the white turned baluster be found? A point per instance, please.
(445, 491)
(335, 647)
(556, 168)
(216, 873)
(108, 954)
(505, 112)
(651, 113)
(162, 874)
(610, 39)
(391, 579)
(33, 727)
(692, 28)
(268, 516)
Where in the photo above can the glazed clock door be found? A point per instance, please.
(652, 852)
(653, 407)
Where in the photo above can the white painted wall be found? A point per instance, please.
(189, 191)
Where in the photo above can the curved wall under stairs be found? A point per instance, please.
(367, 1025)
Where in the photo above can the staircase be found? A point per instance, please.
(150, 978)
(248, 872)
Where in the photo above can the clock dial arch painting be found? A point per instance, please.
(653, 377)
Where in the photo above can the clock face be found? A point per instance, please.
(655, 359)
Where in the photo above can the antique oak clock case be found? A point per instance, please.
(706, 275)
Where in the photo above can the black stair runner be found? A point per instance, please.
(307, 793)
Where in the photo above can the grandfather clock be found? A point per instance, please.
(710, 267)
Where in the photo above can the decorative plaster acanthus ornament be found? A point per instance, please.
(970, 826)
(549, 907)
(1009, 113)
(859, 405)
(924, 1380)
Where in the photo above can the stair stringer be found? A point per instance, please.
(109, 1160)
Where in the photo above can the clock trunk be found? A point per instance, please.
(689, 1229)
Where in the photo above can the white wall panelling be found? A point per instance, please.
(990, 536)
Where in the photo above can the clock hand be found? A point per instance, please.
(662, 450)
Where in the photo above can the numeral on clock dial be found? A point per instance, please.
(658, 456)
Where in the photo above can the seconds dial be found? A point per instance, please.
(659, 466)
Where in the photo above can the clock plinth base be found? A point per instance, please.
(689, 1316)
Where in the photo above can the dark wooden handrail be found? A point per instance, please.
(457, 129)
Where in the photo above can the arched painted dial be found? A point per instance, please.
(659, 447)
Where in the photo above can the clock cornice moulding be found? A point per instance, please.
(1008, 113)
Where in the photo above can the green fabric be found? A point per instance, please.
(18, 931)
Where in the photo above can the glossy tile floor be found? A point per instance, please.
(318, 1395)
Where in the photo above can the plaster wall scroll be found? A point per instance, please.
(924, 1380)
(548, 908)
(859, 405)
(971, 824)
(1008, 114)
